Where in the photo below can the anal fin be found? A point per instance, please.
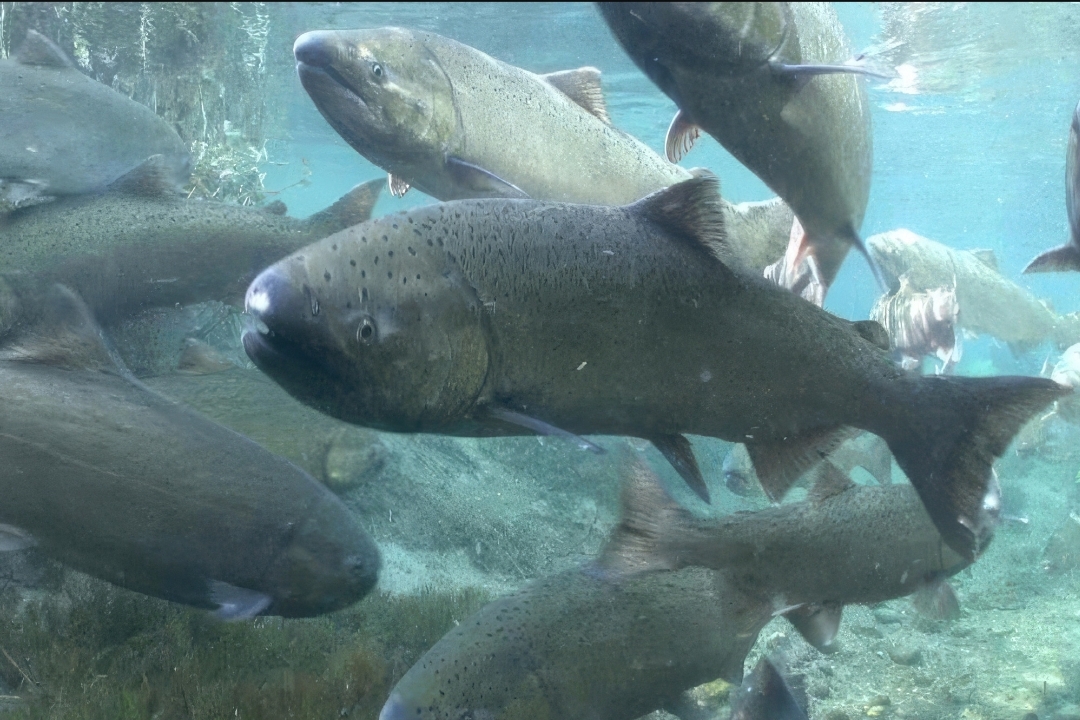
(679, 452)
(937, 600)
(779, 463)
(817, 623)
(682, 133)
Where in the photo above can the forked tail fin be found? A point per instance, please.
(1059, 259)
(947, 439)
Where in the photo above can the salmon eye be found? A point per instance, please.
(365, 332)
(376, 70)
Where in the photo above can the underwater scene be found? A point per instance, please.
(539, 361)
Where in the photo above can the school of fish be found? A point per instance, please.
(567, 282)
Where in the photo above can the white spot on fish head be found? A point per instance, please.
(706, 376)
(257, 302)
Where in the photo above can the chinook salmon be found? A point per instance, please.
(456, 123)
(137, 245)
(66, 134)
(987, 301)
(116, 481)
(508, 317)
(621, 638)
(768, 81)
(1067, 256)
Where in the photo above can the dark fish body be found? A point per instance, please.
(728, 66)
(63, 133)
(126, 485)
(126, 250)
(627, 635)
(862, 544)
(988, 301)
(579, 646)
(456, 123)
(1067, 256)
(611, 320)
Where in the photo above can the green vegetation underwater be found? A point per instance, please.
(468, 361)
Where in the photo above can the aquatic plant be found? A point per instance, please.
(95, 651)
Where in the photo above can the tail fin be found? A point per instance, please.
(954, 431)
(649, 517)
(1059, 259)
(353, 208)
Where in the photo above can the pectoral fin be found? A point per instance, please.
(237, 603)
(679, 452)
(856, 66)
(682, 133)
(398, 187)
(483, 182)
(15, 538)
(542, 428)
(818, 624)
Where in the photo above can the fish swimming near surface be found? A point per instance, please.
(865, 450)
(988, 302)
(456, 123)
(1067, 256)
(769, 81)
(622, 637)
(509, 317)
(136, 245)
(66, 134)
(114, 480)
(921, 324)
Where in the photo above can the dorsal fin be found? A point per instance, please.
(353, 208)
(37, 49)
(64, 335)
(583, 87)
(692, 210)
(829, 481)
(151, 178)
(649, 519)
(276, 208)
(873, 332)
(987, 257)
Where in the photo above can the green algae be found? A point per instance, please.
(95, 651)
